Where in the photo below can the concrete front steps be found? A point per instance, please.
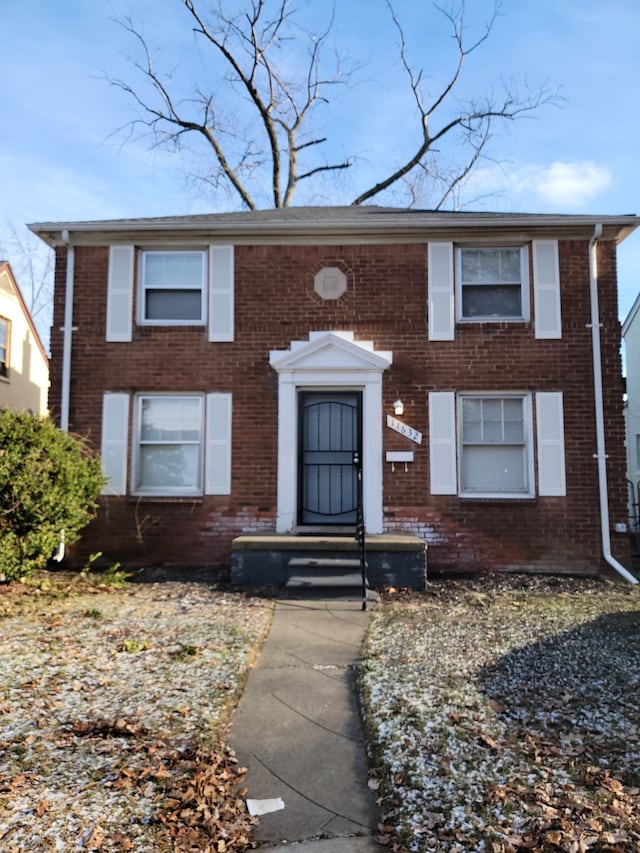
(317, 562)
(335, 576)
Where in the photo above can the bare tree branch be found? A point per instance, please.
(256, 115)
(32, 264)
(257, 52)
(474, 122)
(247, 45)
(167, 113)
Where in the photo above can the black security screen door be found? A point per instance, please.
(330, 433)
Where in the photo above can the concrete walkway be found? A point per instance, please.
(298, 731)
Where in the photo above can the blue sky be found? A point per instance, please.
(60, 160)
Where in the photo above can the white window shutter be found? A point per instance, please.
(442, 443)
(217, 480)
(115, 435)
(120, 293)
(550, 433)
(546, 289)
(441, 292)
(221, 293)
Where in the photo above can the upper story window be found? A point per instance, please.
(172, 288)
(492, 283)
(5, 327)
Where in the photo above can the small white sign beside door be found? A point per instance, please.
(408, 432)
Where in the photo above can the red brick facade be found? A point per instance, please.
(386, 303)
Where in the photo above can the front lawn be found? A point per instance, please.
(113, 708)
(504, 715)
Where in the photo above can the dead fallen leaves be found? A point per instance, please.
(114, 747)
(604, 816)
(203, 806)
(196, 790)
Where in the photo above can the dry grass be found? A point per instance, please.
(502, 713)
(113, 703)
(504, 716)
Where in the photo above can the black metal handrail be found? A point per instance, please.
(360, 529)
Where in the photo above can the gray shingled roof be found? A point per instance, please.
(351, 220)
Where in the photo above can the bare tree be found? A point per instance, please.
(32, 265)
(258, 116)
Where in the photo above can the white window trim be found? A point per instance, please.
(135, 448)
(524, 284)
(527, 412)
(144, 253)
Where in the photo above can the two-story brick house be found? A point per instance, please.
(229, 365)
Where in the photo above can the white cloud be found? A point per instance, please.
(569, 186)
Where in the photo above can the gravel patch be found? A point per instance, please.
(113, 704)
(503, 716)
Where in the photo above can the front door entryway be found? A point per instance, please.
(330, 433)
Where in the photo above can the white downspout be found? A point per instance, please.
(67, 331)
(601, 455)
(59, 555)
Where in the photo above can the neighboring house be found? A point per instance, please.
(24, 364)
(631, 338)
(230, 365)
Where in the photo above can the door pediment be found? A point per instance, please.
(330, 351)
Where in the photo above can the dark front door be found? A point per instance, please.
(330, 434)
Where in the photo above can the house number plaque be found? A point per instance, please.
(408, 432)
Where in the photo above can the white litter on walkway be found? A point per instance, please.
(258, 807)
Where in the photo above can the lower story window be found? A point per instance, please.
(169, 437)
(495, 447)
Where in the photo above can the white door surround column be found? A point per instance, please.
(329, 361)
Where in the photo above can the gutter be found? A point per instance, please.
(601, 455)
(67, 330)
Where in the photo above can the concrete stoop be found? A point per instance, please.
(321, 561)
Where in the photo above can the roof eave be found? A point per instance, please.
(388, 229)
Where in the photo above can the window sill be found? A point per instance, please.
(497, 321)
(165, 499)
(171, 324)
(498, 500)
